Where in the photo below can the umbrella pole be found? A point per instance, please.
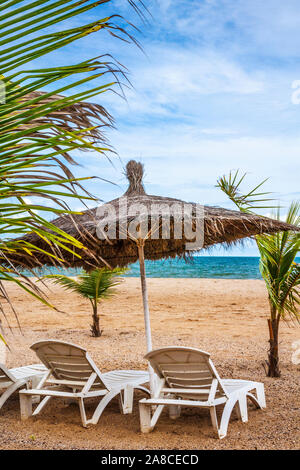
(146, 309)
(145, 297)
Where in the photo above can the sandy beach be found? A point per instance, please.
(224, 317)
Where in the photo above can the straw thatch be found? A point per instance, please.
(79, 117)
(220, 226)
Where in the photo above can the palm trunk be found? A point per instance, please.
(95, 327)
(273, 356)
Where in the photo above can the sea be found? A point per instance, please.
(216, 267)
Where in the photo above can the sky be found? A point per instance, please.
(214, 89)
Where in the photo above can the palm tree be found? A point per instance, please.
(40, 130)
(94, 285)
(277, 263)
(282, 278)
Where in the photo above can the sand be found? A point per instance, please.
(225, 317)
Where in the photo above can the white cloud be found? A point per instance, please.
(269, 27)
(184, 163)
(175, 80)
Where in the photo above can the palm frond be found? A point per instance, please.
(40, 130)
(94, 285)
(277, 251)
(67, 282)
(245, 202)
(289, 298)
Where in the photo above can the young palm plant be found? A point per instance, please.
(40, 130)
(277, 263)
(94, 285)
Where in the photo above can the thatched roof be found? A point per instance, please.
(219, 226)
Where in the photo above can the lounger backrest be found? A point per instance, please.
(187, 368)
(5, 375)
(68, 362)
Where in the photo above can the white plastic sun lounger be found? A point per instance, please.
(188, 378)
(72, 374)
(13, 379)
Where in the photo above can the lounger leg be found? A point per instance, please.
(121, 401)
(148, 423)
(25, 406)
(242, 405)
(174, 411)
(33, 383)
(41, 406)
(214, 419)
(102, 405)
(128, 399)
(5, 395)
(82, 413)
(145, 417)
(261, 398)
(143, 389)
(226, 416)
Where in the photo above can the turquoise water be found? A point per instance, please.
(218, 267)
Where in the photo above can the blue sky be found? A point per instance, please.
(212, 92)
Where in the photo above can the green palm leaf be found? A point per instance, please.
(277, 262)
(40, 129)
(95, 285)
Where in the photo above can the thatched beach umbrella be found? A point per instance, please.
(138, 226)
